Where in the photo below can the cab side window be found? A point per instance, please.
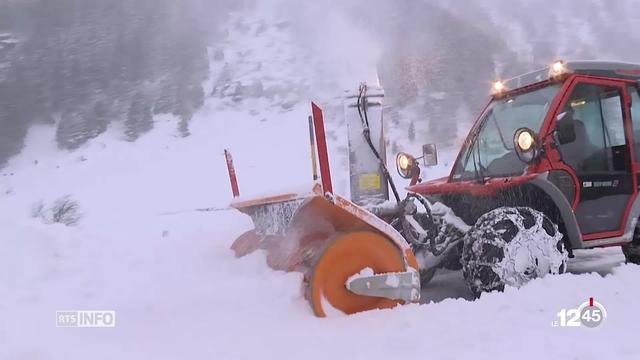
(597, 114)
(635, 119)
(613, 119)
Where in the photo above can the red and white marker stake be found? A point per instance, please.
(232, 174)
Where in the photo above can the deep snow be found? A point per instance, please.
(178, 290)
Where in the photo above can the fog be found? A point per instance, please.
(84, 66)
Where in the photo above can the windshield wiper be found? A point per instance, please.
(500, 134)
(480, 168)
(477, 164)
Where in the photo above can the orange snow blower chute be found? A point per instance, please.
(352, 260)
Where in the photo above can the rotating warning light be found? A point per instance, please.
(499, 87)
(557, 68)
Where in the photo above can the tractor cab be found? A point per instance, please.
(564, 140)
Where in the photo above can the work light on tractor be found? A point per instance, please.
(406, 165)
(526, 145)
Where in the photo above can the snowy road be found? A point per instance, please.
(447, 284)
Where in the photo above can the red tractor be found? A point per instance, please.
(551, 165)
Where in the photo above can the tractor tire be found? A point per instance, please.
(510, 246)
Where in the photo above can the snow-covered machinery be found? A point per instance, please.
(354, 254)
(549, 166)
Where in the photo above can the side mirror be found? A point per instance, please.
(430, 154)
(565, 128)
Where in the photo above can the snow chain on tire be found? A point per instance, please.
(510, 246)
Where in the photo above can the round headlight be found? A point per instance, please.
(525, 142)
(405, 164)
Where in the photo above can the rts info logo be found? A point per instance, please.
(86, 318)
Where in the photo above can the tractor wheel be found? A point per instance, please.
(345, 255)
(510, 246)
(631, 250)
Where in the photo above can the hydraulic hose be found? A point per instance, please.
(362, 109)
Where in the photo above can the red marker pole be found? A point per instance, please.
(323, 154)
(232, 174)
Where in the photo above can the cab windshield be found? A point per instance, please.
(489, 152)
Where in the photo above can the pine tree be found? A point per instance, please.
(72, 129)
(99, 120)
(139, 118)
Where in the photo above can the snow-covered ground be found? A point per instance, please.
(179, 292)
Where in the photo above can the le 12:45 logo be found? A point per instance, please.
(590, 314)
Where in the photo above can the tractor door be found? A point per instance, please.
(601, 155)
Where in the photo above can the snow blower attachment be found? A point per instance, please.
(351, 252)
(351, 259)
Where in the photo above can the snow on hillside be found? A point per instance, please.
(178, 290)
